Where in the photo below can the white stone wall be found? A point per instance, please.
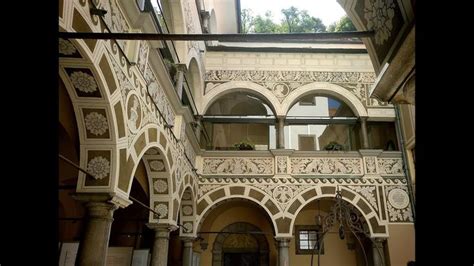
(288, 61)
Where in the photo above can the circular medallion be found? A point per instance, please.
(186, 196)
(398, 198)
(157, 165)
(134, 112)
(281, 90)
(160, 186)
(283, 193)
(162, 209)
(187, 210)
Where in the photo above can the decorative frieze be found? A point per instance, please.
(370, 165)
(281, 83)
(390, 166)
(238, 166)
(282, 164)
(326, 166)
(158, 95)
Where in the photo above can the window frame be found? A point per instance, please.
(307, 136)
(299, 228)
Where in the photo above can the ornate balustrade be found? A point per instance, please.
(302, 164)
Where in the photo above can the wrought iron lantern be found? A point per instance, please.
(345, 215)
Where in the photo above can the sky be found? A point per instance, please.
(328, 11)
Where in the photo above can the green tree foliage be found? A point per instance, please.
(265, 24)
(294, 21)
(344, 24)
(246, 20)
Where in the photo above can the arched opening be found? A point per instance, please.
(240, 243)
(336, 248)
(323, 121)
(71, 211)
(319, 122)
(239, 120)
(194, 78)
(129, 232)
(253, 234)
(213, 22)
(186, 223)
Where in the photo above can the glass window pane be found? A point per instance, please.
(303, 236)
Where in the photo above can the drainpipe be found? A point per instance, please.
(404, 156)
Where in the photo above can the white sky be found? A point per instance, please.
(328, 11)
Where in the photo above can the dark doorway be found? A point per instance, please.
(241, 259)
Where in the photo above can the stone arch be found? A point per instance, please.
(215, 197)
(194, 78)
(325, 88)
(187, 212)
(213, 22)
(376, 227)
(238, 86)
(89, 86)
(260, 241)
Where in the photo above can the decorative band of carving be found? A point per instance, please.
(238, 166)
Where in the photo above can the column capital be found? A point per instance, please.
(162, 227)
(283, 241)
(110, 197)
(180, 67)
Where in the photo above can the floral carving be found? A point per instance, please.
(157, 165)
(142, 56)
(281, 83)
(283, 194)
(186, 196)
(115, 20)
(391, 166)
(370, 165)
(238, 166)
(368, 192)
(158, 95)
(188, 227)
(66, 47)
(162, 210)
(281, 165)
(99, 167)
(379, 15)
(187, 210)
(398, 206)
(326, 166)
(160, 185)
(83, 82)
(96, 123)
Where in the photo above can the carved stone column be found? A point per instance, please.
(283, 254)
(159, 255)
(365, 137)
(187, 251)
(378, 253)
(95, 239)
(181, 70)
(280, 132)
